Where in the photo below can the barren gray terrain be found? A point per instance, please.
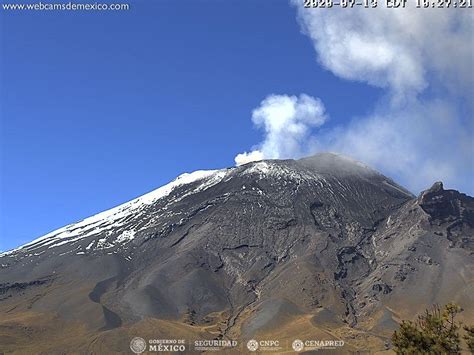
(321, 245)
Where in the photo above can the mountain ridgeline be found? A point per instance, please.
(319, 248)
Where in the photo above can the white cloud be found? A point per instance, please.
(417, 145)
(424, 59)
(287, 122)
(404, 50)
(423, 130)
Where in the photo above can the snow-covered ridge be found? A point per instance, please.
(268, 168)
(113, 217)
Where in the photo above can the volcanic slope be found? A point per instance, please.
(318, 248)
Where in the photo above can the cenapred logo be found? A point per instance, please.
(314, 345)
(252, 345)
(297, 345)
(138, 345)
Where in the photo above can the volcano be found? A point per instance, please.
(318, 248)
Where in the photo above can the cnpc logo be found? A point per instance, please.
(254, 345)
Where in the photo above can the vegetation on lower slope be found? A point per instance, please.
(434, 332)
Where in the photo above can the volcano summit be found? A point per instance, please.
(319, 248)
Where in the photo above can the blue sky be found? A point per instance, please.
(100, 107)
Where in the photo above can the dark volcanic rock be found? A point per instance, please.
(248, 247)
(451, 210)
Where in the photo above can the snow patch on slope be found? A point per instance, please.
(114, 217)
(268, 168)
(126, 236)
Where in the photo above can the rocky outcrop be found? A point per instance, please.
(246, 250)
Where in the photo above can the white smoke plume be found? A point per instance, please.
(247, 157)
(287, 121)
(423, 129)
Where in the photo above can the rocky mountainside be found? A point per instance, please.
(318, 248)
